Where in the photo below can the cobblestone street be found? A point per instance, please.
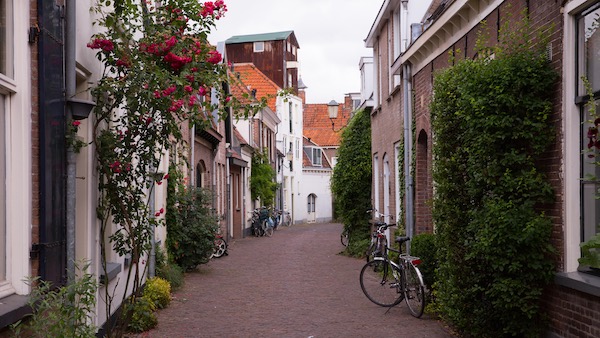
(293, 284)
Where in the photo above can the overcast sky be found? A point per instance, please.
(330, 33)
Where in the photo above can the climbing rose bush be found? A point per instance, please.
(160, 76)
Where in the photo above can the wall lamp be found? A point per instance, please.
(80, 109)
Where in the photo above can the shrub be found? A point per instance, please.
(351, 181)
(158, 291)
(173, 274)
(142, 316)
(168, 270)
(423, 246)
(60, 312)
(191, 225)
(491, 121)
(262, 179)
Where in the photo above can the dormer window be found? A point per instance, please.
(315, 155)
(259, 46)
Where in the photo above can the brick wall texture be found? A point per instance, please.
(571, 313)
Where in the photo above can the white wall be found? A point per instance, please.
(315, 182)
(292, 202)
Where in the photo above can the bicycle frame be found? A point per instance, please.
(402, 264)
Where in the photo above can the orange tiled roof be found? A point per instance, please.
(252, 78)
(239, 136)
(317, 125)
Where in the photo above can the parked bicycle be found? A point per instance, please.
(345, 236)
(378, 240)
(220, 248)
(261, 222)
(285, 218)
(386, 283)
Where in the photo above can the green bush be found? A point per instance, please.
(168, 270)
(191, 226)
(263, 184)
(158, 291)
(141, 313)
(490, 118)
(351, 181)
(173, 274)
(60, 312)
(423, 246)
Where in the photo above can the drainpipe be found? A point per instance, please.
(70, 89)
(407, 153)
(192, 180)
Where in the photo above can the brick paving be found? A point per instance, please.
(294, 284)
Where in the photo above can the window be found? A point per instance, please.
(588, 57)
(292, 160)
(316, 157)
(290, 115)
(259, 46)
(6, 67)
(6, 18)
(376, 184)
(334, 161)
(396, 42)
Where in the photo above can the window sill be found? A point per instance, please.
(579, 281)
(112, 270)
(12, 309)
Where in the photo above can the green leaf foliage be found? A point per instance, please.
(158, 291)
(351, 180)
(424, 246)
(192, 225)
(491, 121)
(141, 314)
(66, 311)
(262, 179)
(590, 252)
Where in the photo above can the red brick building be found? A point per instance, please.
(405, 61)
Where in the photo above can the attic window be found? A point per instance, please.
(259, 46)
(316, 158)
(314, 154)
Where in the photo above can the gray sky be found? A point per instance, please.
(330, 33)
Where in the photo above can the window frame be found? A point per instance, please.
(7, 65)
(582, 100)
(572, 155)
(316, 157)
(258, 46)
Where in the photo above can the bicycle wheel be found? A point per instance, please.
(414, 291)
(344, 237)
(220, 248)
(268, 230)
(380, 282)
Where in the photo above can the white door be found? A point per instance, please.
(311, 204)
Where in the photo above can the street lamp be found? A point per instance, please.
(332, 109)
